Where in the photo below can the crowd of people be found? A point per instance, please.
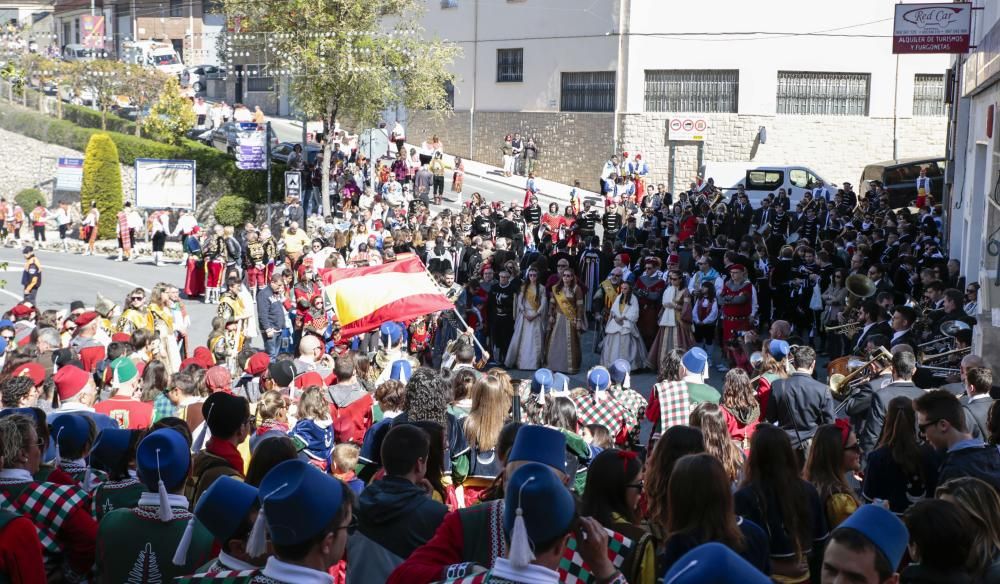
(479, 445)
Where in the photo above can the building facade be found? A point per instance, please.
(587, 79)
(974, 159)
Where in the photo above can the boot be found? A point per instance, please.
(120, 257)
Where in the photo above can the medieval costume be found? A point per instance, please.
(675, 324)
(621, 337)
(567, 321)
(526, 347)
(215, 263)
(649, 287)
(194, 279)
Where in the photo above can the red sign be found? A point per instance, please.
(932, 28)
(92, 28)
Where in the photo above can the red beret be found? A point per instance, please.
(121, 338)
(626, 259)
(86, 318)
(204, 356)
(70, 380)
(33, 370)
(191, 361)
(674, 259)
(257, 364)
(308, 379)
(739, 267)
(21, 310)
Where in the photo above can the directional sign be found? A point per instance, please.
(293, 183)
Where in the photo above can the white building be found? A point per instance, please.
(588, 78)
(974, 150)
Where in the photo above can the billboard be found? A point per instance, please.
(251, 149)
(164, 184)
(69, 174)
(92, 31)
(932, 28)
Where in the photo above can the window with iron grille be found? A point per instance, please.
(806, 93)
(693, 90)
(928, 95)
(258, 78)
(590, 91)
(176, 8)
(510, 65)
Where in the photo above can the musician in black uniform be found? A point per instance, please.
(873, 324)
(500, 307)
(532, 214)
(904, 364)
(482, 225)
(809, 227)
(740, 217)
(859, 400)
(586, 221)
(612, 219)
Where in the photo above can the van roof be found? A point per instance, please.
(904, 161)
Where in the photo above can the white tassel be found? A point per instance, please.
(541, 396)
(180, 556)
(628, 382)
(88, 479)
(257, 541)
(165, 513)
(520, 554)
(58, 455)
(600, 396)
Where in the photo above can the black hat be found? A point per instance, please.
(225, 413)
(27, 249)
(282, 372)
(76, 305)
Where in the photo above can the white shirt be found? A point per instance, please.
(898, 334)
(185, 224)
(61, 216)
(285, 572)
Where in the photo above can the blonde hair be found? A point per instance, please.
(345, 456)
(490, 404)
(271, 402)
(313, 404)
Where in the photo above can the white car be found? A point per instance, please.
(196, 77)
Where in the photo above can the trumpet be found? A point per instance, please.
(839, 383)
(849, 329)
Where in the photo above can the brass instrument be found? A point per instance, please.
(839, 383)
(927, 359)
(859, 288)
(848, 329)
(948, 329)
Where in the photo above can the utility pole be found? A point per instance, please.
(267, 150)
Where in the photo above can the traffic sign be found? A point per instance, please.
(687, 129)
(293, 183)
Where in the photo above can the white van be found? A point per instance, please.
(153, 54)
(761, 179)
(73, 53)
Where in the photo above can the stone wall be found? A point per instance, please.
(571, 146)
(574, 146)
(836, 147)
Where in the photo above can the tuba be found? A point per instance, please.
(859, 288)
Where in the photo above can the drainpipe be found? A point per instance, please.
(621, 75)
(475, 76)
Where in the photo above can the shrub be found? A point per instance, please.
(102, 182)
(171, 116)
(29, 198)
(233, 210)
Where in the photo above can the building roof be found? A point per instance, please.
(60, 6)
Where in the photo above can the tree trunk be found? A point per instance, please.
(104, 118)
(138, 126)
(328, 125)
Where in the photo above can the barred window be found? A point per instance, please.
(693, 90)
(510, 65)
(591, 91)
(177, 8)
(258, 78)
(834, 94)
(928, 95)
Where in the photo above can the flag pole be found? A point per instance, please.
(466, 328)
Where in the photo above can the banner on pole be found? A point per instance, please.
(932, 28)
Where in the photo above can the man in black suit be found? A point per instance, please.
(904, 364)
(902, 324)
(762, 215)
(876, 273)
(953, 309)
(860, 400)
(800, 404)
(741, 217)
(872, 324)
(977, 402)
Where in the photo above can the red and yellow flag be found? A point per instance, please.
(364, 298)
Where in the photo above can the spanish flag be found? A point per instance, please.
(364, 298)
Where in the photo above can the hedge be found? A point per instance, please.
(28, 199)
(210, 162)
(102, 182)
(233, 211)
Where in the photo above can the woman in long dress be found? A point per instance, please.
(526, 346)
(621, 337)
(675, 321)
(567, 321)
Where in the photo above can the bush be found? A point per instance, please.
(91, 118)
(28, 199)
(233, 210)
(102, 182)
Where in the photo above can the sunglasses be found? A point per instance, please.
(922, 428)
(138, 298)
(639, 485)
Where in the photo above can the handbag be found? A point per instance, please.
(816, 302)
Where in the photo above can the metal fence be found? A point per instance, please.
(693, 90)
(591, 91)
(928, 95)
(832, 94)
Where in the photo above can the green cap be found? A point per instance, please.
(123, 370)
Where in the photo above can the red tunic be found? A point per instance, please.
(21, 552)
(131, 414)
(736, 317)
(194, 281)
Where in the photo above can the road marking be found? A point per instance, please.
(85, 273)
(11, 294)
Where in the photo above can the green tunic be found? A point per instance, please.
(111, 495)
(134, 546)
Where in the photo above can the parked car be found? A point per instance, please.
(226, 138)
(283, 151)
(196, 77)
(761, 179)
(78, 53)
(899, 178)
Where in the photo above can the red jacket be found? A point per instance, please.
(351, 412)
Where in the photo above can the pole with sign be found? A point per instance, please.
(267, 147)
(293, 184)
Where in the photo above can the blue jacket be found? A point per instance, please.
(270, 310)
(971, 458)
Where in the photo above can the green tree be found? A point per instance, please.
(143, 86)
(171, 116)
(346, 60)
(233, 210)
(104, 79)
(102, 182)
